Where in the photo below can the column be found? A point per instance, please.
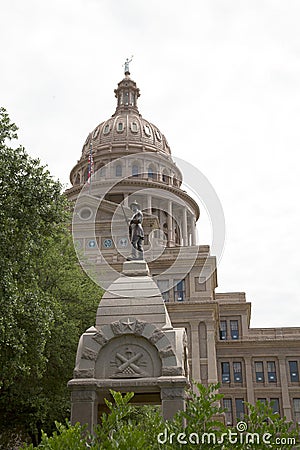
(286, 403)
(84, 408)
(172, 400)
(211, 354)
(149, 204)
(170, 223)
(195, 351)
(193, 228)
(184, 228)
(249, 380)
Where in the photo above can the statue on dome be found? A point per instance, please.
(126, 65)
(136, 233)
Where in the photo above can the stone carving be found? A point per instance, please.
(100, 338)
(139, 327)
(128, 325)
(89, 354)
(128, 364)
(156, 336)
(84, 373)
(116, 327)
(167, 351)
(172, 371)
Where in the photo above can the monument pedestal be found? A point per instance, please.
(133, 347)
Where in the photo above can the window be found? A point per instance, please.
(227, 404)
(237, 372)
(135, 170)
(262, 400)
(106, 128)
(147, 130)
(223, 330)
(163, 286)
(118, 170)
(179, 291)
(275, 405)
(234, 329)
(296, 405)
(126, 97)
(151, 172)
(239, 407)
(134, 127)
(294, 372)
(165, 177)
(120, 126)
(271, 372)
(259, 372)
(225, 372)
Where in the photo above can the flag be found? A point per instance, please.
(90, 165)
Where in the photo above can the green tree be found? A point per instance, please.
(46, 301)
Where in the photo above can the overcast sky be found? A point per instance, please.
(221, 80)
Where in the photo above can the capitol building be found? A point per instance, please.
(127, 159)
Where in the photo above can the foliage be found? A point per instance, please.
(46, 301)
(269, 426)
(135, 428)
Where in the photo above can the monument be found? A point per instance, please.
(132, 347)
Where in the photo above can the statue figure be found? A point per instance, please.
(136, 232)
(126, 66)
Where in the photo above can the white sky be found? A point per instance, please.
(221, 79)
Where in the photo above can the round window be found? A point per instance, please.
(85, 213)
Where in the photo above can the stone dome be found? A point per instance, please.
(126, 128)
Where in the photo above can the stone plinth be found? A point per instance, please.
(133, 347)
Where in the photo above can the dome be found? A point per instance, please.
(126, 128)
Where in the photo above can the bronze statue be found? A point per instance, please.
(136, 232)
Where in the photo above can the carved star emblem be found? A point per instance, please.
(128, 324)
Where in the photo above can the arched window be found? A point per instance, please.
(151, 172)
(118, 170)
(135, 170)
(165, 177)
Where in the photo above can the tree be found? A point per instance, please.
(46, 301)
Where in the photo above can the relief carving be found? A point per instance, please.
(84, 373)
(89, 354)
(139, 327)
(116, 328)
(167, 351)
(172, 371)
(128, 364)
(156, 336)
(100, 338)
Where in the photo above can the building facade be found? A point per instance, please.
(124, 159)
